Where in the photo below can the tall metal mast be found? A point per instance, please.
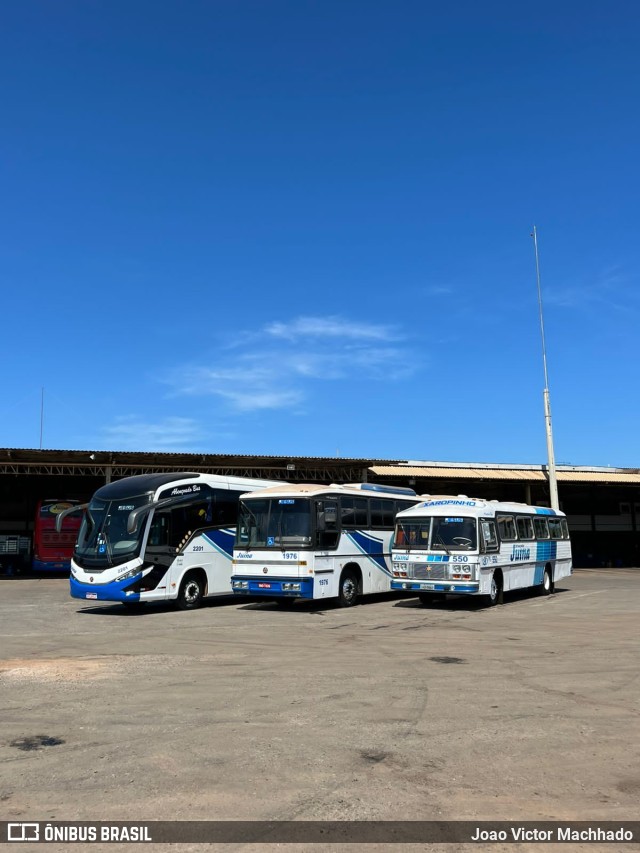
(41, 415)
(553, 482)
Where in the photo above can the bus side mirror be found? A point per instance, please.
(66, 512)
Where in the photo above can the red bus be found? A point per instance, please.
(52, 550)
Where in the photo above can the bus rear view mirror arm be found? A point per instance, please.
(65, 512)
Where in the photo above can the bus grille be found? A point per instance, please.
(431, 571)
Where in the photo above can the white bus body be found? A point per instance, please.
(465, 546)
(309, 541)
(156, 537)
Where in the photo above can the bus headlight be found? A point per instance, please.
(130, 574)
(241, 584)
(291, 587)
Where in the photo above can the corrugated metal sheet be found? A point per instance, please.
(511, 474)
(597, 477)
(456, 473)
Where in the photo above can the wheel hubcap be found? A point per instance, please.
(191, 591)
(348, 589)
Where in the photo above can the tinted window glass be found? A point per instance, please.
(375, 508)
(383, 512)
(353, 512)
(555, 528)
(525, 527)
(540, 528)
(506, 527)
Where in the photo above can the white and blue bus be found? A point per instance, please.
(466, 546)
(158, 537)
(310, 541)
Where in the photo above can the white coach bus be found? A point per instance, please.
(465, 546)
(155, 537)
(309, 541)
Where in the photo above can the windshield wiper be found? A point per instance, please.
(441, 540)
(405, 530)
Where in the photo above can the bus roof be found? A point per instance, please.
(446, 504)
(148, 484)
(308, 490)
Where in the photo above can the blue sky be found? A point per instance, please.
(298, 227)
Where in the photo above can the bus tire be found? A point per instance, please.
(348, 590)
(191, 591)
(426, 598)
(546, 587)
(496, 593)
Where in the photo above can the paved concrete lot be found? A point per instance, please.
(389, 710)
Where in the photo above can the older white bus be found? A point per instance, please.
(309, 541)
(155, 537)
(466, 546)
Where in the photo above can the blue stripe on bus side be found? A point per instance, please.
(222, 541)
(371, 547)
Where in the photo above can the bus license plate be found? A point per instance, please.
(429, 586)
(264, 586)
(91, 595)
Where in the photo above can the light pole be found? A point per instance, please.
(553, 482)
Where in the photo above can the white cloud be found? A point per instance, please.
(276, 366)
(611, 289)
(330, 327)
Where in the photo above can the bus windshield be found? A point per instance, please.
(274, 523)
(437, 533)
(103, 539)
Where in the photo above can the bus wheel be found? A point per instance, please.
(426, 598)
(191, 592)
(495, 595)
(546, 587)
(348, 592)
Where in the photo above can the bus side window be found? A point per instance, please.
(555, 528)
(327, 523)
(507, 528)
(540, 527)
(525, 527)
(488, 533)
(159, 532)
(565, 528)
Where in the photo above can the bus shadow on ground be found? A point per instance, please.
(316, 606)
(474, 603)
(149, 608)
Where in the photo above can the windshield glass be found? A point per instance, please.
(436, 534)
(274, 523)
(454, 534)
(103, 539)
(412, 533)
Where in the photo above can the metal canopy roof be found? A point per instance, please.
(511, 474)
(119, 463)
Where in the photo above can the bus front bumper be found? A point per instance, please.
(453, 587)
(273, 587)
(113, 591)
